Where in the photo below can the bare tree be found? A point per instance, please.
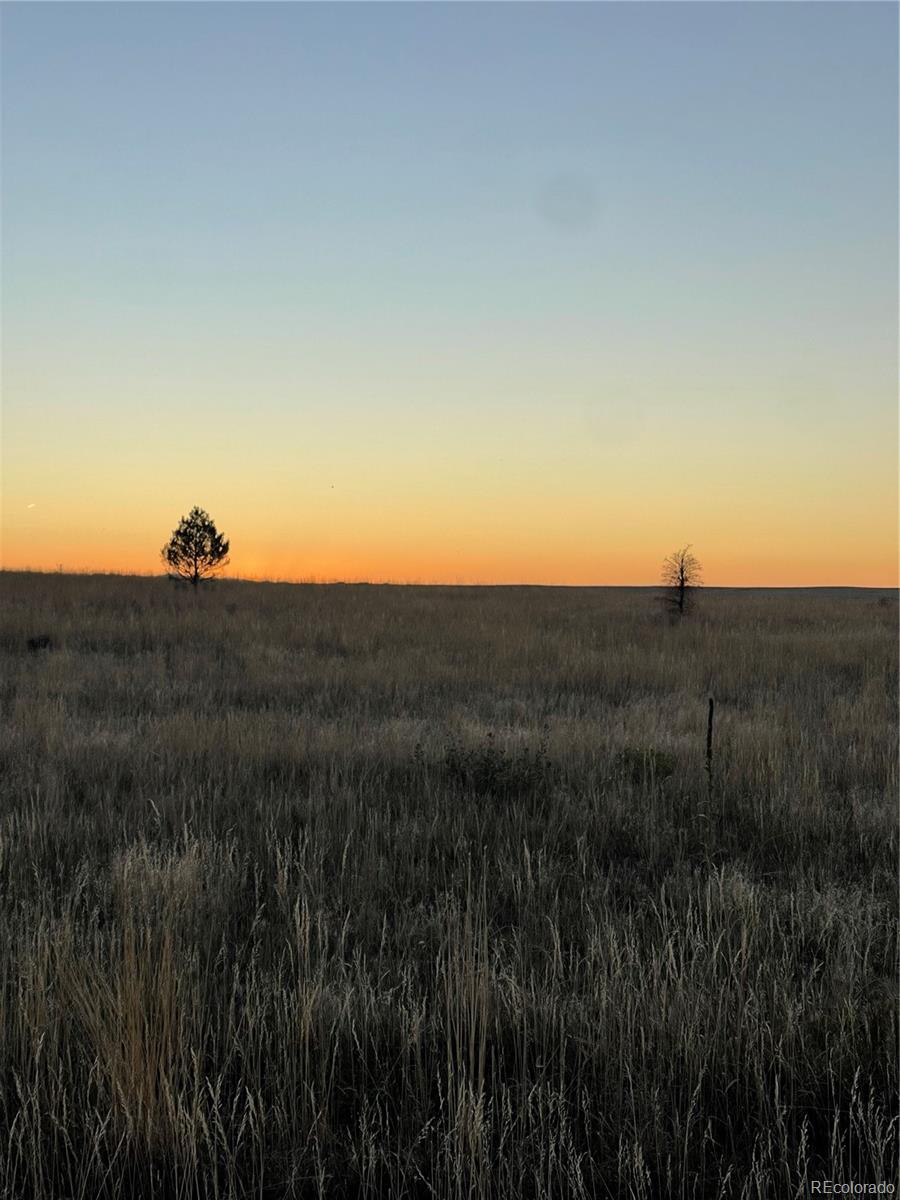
(196, 549)
(681, 575)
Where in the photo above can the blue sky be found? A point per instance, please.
(489, 251)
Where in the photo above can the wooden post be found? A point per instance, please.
(709, 744)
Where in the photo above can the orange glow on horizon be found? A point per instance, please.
(721, 568)
(788, 518)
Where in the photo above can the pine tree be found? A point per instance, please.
(196, 549)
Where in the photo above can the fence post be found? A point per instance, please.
(709, 745)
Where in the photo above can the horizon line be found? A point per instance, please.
(88, 573)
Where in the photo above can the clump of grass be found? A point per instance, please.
(642, 765)
(490, 769)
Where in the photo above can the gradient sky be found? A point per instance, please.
(471, 293)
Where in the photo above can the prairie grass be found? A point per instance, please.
(333, 891)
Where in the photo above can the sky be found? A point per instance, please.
(469, 293)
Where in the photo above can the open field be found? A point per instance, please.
(379, 892)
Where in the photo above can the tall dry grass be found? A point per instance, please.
(368, 891)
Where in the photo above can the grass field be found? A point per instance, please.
(362, 891)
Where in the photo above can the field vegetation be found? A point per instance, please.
(358, 891)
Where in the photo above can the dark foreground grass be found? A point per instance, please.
(405, 892)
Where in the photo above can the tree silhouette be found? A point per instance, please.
(196, 549)
(681, 575)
